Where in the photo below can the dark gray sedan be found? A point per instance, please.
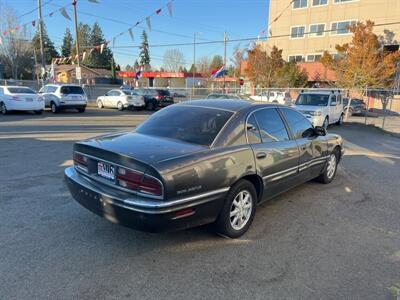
(199, 162)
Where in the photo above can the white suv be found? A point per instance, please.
(321, 107)
(274, 97)
(63, 96)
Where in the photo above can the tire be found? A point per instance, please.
(326, 123)
(229, 224)
(330, 169)
(340, 121)
(54, 108)
(150, 106)
(38, 112)
(3, 109)
(120, 106)
(82, 109)
(100, 104)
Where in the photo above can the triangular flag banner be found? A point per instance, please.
(5, 33)
(64, 13)
(51, 14)
(83, 55)
(76, 57)
(169, 5)
(91, 51)
(101, 48)
(17, 27)
(93, 1)
(33, 23)
(114, 41)
(158, 11)
(131, 33)
(1, 40)
(148, 22)
(137, 23)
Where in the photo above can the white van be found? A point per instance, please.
(322, 107)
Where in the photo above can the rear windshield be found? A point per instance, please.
(72, 90)
(21, 90)
(163, 92)
(195, 125)
(312, 99)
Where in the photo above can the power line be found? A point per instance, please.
(33, 10)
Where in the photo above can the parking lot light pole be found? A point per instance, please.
(74, 2)
(194, 60)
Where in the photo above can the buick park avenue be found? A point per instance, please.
(199, 162)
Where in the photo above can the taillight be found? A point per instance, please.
(15, 98)
(137, 181)
(80, 160)
(158, 97)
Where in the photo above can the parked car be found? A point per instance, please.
(227, 96)
(121, 99)
(201, 162)
(321, 107)
(178, 93)
(273, 97)
(20, 98)
(156, 98)
(357, 106)
(64, 96)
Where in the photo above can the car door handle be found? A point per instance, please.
(261, 155)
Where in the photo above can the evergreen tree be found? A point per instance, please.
(216, 62)
(83, 38)
(144, 55)
(97, 59)
(49, 49)
(67, 44)
(136, 65)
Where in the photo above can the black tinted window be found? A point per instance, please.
(253, 133)
(163, 93)
(299, 125)
(71, 90)
(20, 90)
(312, 99)
(196, 125)
(272, 128)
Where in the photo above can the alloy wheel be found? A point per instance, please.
(331, 168)
(241, 209)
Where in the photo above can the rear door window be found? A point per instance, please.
(299, 125)
(272, 128)
(72, 90)
(51, 89)
(253, 132)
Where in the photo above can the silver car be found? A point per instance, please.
(121, 99)
(64, 96)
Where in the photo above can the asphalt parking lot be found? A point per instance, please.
(337, 241)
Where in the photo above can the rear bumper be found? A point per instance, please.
(139, 213)
(25, 106)
(73, 104)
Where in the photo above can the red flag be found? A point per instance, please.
(5, 33)
(158, 11)
(51, 14)
(17, 27)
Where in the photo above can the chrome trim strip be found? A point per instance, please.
(281, 172)
(120, 187)
(163, 207)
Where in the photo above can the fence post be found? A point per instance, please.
(367, 108)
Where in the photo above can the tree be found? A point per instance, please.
(136, 65)
(216, 63)
(362, 62)
(173, 59)
(231, 71)
(16, 53)
(50, 51)
(144, 54)
(290, 75)
(237, 59)
(67, 44)
(203, 66)
(97, 59)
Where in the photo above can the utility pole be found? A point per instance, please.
(74, 2)
(43, 63)
(194, 62)
(225, 40)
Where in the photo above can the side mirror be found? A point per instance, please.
(319, 131)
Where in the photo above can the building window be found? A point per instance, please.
(297, 32)
(317, 30)
(338, 28)
(343, 1)
(296, 58)
(299, 4)
(314, 57)
(319, 2)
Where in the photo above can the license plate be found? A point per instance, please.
(106, 170)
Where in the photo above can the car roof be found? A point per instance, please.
(233, 105)
(325, 92)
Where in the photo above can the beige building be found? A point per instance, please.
(307, 28)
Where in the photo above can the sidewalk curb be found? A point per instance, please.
(394, 134)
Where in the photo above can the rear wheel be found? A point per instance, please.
(238, 211)
(340, 121)
(54, 108)
(330, 168)
(3, 108)
(120, 106)
(38, 112)
(100, 104)
(150, 106)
